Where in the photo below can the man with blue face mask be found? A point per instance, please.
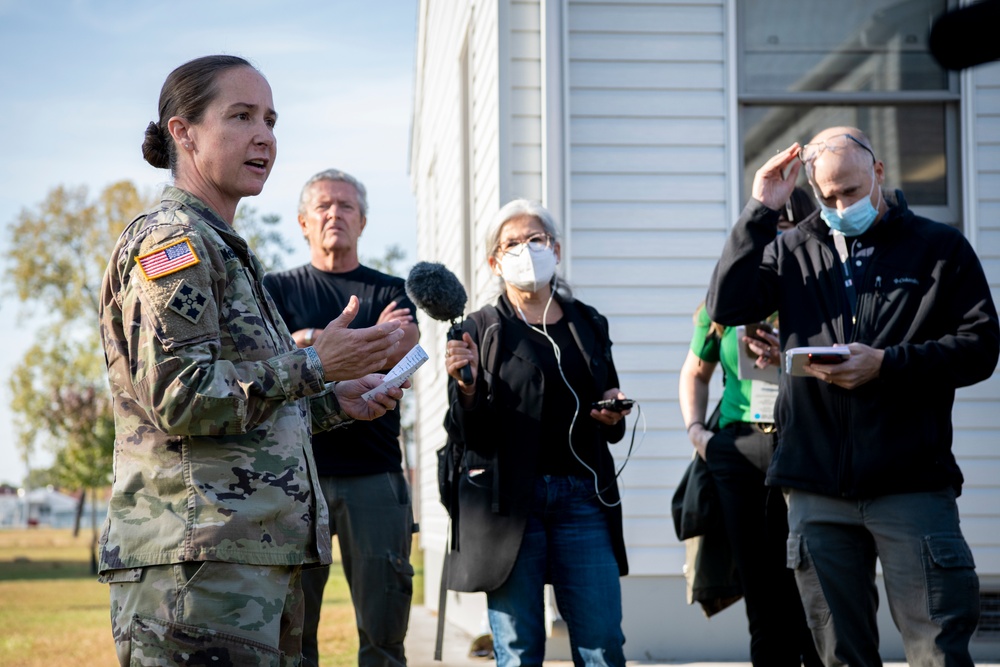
(865, 446)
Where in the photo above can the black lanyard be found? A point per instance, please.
(845, 262)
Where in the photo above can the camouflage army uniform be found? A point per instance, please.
(212, 455)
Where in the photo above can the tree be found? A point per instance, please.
(55, 264)
(262, 235)
(388, 263)
(56, 261)
(61, 399)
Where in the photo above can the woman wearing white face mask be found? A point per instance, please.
(535, 496)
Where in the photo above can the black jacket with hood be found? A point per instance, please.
(498, 440)
(924, 300)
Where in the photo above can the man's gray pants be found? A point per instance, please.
(927, 567)
(372, 517)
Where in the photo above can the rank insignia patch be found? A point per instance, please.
(173, 258)
(188, 302)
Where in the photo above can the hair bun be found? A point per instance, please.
(154, 147)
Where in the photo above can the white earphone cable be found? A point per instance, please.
(558, 354)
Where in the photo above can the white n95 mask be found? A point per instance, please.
(528, 269)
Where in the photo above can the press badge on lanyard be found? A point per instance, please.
(762, 398)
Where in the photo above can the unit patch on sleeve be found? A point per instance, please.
(188, 302)
(176, 256)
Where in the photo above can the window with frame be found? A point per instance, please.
(806, 66)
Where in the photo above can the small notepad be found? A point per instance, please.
(400, 373)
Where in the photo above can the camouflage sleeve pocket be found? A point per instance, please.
(179, 304)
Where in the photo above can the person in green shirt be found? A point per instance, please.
(738, 455)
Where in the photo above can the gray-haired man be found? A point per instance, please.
(360, 466)
(865, 446)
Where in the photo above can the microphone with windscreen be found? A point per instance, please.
(438, 292)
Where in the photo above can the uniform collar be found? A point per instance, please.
(208, 214)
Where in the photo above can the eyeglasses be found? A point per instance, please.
(810, 152)
(536, 242)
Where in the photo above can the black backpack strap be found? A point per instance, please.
(442, 604)
(490, 330)
(487, 322)
(490, 341)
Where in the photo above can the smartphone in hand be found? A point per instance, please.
(613, 404)
(753, 329)
(797, 357)
(827, 358)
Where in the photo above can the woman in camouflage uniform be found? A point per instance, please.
(213, 510)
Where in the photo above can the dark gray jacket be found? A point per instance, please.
(924, 300)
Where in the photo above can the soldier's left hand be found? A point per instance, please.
(349, 396)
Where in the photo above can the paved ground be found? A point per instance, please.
(420, 642)
(423, 627)
(420, 646)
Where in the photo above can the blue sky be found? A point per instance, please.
(79, 81)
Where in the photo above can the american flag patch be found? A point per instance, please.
(165, 261)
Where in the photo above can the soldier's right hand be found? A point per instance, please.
(349, 395)
(353, 353)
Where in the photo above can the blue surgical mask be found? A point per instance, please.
(857, 218)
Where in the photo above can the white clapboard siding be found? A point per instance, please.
(647, 220)
(455, 128)
(976, 418)
(649, 214)
(432, 134)
(524, 90)
(647, 189)
(485, 137)
(646, 271)
(663, 299)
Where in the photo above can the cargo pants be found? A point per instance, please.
(207, 613)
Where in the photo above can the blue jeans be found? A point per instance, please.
(930, 577)
(566, 543)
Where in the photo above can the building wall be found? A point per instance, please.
(455, 169)
(647, 218)
(524, 88)
(977, 421)
(620, 116)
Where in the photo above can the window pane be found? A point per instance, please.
(909, 139)
(844, 46)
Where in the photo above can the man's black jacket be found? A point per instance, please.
(924, 300)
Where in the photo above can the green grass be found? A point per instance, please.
(54, 612)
